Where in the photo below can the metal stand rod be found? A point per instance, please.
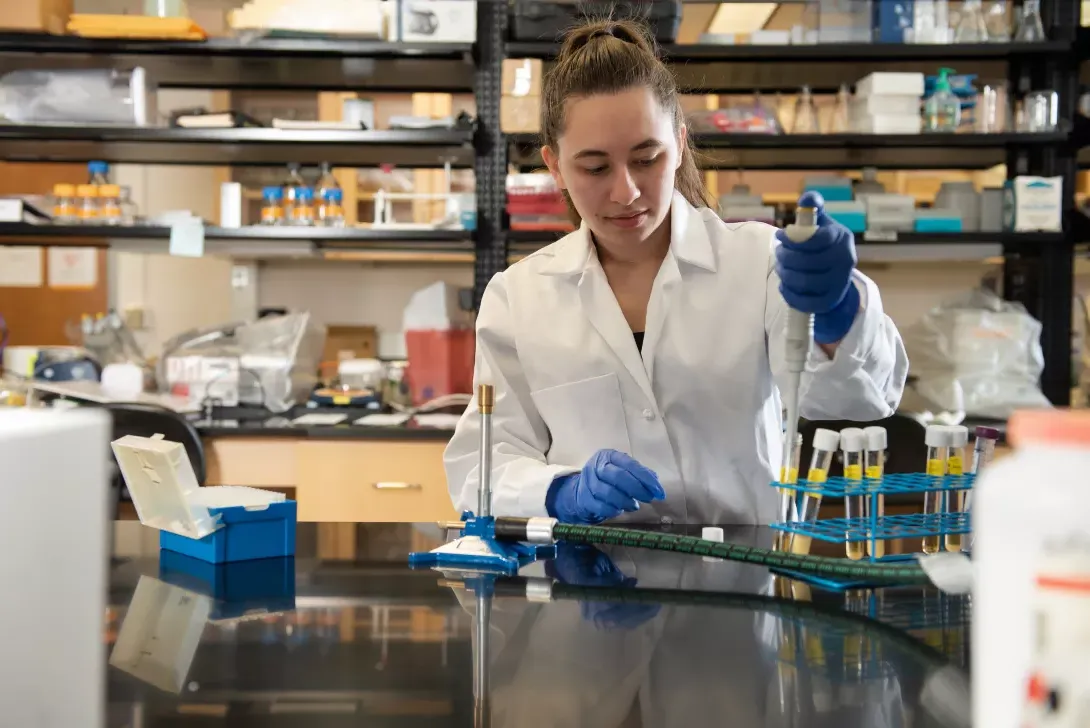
(485, 401)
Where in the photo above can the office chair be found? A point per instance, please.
(145, 420)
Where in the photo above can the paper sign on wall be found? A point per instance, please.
(187, 238)
(20, 267)
(73, 267)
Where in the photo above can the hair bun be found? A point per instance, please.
(626, 31)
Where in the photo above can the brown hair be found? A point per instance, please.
(607, 57)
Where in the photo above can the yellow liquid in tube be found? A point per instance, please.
(855, 549)
(801, 544)
(935, 468)
(955, 466)
(876, 547)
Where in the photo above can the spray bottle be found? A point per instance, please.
(942, 111)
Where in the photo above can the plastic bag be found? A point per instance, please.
(979, 354)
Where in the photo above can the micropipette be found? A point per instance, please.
(852, 442)
(798, 333)
(937, 439)
(875, 466)
(955, 465)
(825, 444)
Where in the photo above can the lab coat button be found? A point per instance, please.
(648, 414)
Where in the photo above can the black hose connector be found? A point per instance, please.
(511, 529)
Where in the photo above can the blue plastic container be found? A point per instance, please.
(833, 193)
(238, 588)
(937, 225)
(854, 221)
(245, 534)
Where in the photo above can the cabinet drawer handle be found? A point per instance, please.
(388, 485)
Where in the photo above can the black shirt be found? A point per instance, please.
(638, 335)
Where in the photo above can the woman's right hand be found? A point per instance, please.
(611, 483)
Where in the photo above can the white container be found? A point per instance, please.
(438, 21)
(886, 104)
(1031, 533)
(885, 124)
(362, 373)
(891, 83)
(1033, 204)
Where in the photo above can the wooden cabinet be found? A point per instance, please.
(363, 480)
(340, 480)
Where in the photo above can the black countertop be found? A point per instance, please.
(628, 638)
(259, 422)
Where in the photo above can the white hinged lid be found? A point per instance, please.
(165, 491)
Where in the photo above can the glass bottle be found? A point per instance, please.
(302, 212)
(971, 27)
(942, 110)
(292, 186)
(98, 173)
(272, 208)
(128, 207)
(326, 181)
(839, 123)
(999, 29)
(87, 204)
(331, 208)
(806, 117)
(1030, 27)
(64, 204)
(109, 204)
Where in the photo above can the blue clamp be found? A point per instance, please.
(477, 550)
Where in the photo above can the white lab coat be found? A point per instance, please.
(700, 406)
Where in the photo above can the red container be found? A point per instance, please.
(440, 363)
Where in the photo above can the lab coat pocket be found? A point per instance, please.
(583, 417)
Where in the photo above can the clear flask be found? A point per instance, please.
(999, 27)
(971, 27)
(806, 116)
(1030, 27)
(839, 123)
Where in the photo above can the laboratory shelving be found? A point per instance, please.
(239, 147)
(257, 63)
(1038, 268)
(436, 238)
(836, 151)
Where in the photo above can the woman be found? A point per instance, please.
(636, 360)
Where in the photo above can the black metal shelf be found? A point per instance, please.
(262, 63)
(445, 239)
(722, 69)
(835, 52)
(836, 151)
(238, 147)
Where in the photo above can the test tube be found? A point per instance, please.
(853, 441)
(937, 439)
(955, 465)
(874, 465)
(789, 473)
(983, 452)
(825, 444)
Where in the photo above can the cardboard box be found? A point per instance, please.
(437, 21)
(35, 16)
(520, 114)
(350, 342)
(522, 76)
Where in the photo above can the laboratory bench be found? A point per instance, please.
(345, 633)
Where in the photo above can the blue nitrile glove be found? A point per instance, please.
(607, 486)
(582, 565)
(816, 276)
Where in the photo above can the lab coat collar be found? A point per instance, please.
(689, 242)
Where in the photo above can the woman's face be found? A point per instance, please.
(617, 159)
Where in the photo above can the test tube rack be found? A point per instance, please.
(885, 527)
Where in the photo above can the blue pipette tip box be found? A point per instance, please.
(237, 588)
(213, 524)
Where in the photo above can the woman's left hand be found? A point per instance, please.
(816, 275)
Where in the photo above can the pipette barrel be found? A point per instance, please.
(485, 402)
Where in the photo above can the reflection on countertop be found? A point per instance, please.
(621, 637)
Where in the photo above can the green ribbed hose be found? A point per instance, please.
(824, 566)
